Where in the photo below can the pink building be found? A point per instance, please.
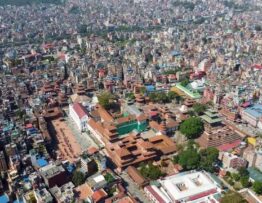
(232, 161)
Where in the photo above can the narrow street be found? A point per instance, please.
(133, 188)
(226, 184)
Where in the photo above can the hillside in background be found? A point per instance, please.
(27, 2)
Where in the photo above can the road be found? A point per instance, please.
(133, 189)
(226, 184)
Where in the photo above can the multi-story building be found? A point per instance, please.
(10, 149)
(54, 175)
(43, 196)
(3, 164)
(88, 164)
(190, 187)
(79, 115)
(229, 114)
(133, 149)
(65, 193)
(232, 161)
(107, 129)
(253, 157)
(252, 114)
(218, 137)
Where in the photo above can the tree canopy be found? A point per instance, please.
(78, 178)
(208, 157)
(172, 71)
(199, 108)
(239, 179)
(244, 180)
(130, 95)
(232, 197)
(243, 171)
(150, 171)
(109, 178)
(257, 187)
(171, 95)
(192, 127)
(105, 99)
(185, 82)
(189, 159)
(143, 90)
(193, 158)
(162, 97)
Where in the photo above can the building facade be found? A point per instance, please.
(192, 186)
(79, 115)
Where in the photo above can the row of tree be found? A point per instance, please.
(162, 97)
(150, 171)
(239, 179)
(191, 157)
(106, 99)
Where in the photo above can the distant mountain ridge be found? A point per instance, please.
(27, 2)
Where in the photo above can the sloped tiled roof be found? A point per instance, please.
(80, 110)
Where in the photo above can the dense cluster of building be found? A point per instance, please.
(152, 61)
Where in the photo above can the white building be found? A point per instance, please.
(190, 187)
(198, 85)
(79, 115)
(43, 196)
(232, 161)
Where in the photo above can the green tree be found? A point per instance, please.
(78, 178)
(199, 108)
(169, 72)
(171, 95)
(235, 176)
(176, 159)
(42, 149)
(130, 95)
(105, 99)
(257, 187)
(189, 159)
(150, 171)
(230, 182)
(232, 197)
(32, 198)
(143, 90)
(208, 157)
(109, 178)
(20, 113)
(192, 127)
(179, 99)
(243, 172)
(185, 82)
(245, 181)
(152, 97)
(158, 97)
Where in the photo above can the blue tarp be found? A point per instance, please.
(4, 198)
(175, 53)
(150, 88)
(26, 179)
(19, 201)
(70, 168)
(41, 162)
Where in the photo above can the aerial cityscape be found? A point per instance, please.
(136, 101)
